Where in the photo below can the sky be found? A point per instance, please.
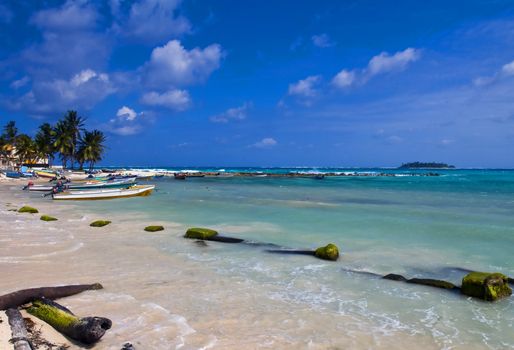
(268, 83)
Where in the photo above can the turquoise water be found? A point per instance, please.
(416, 226)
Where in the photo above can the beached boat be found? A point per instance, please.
(47, 174)
(133, 191)
(83, 186)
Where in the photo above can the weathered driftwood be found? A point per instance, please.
(15, 299)
(87, 330)
(18, 330)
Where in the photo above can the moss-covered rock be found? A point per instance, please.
(486, 286)
(27, 209)
(154, 228)
(432, 283)
(99, 223)
(47, 218)
(328, 252)
(200, 233)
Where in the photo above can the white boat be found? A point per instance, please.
(84, 186)
(110, 193)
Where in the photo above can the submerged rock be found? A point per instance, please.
(99, 223)
(395, 277)
(47, 218)
(328, 252)
(486, 286)
(200, 233)
(201, 243)
(154, 228)
(27, 209)
(432, 283)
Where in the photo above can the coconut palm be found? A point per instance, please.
(10, 132)
(75, 125)
(63, 142)
(92, 147)
(45, 142)
(26, 150)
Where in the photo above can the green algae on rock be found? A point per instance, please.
(328, 252)
(47, 218)
(200, 233)
(154, 228)
(485, 285)
(99, 223)
(27, 209)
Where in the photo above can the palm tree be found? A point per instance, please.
(8, 139)
(45, 142)
(25, 149)
(10, 132)
(75, 125)
(91, 148)
(63, 142)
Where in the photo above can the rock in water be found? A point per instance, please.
(99, 223)
(328, 252)
(432, 283)
(200, 233)
(154, 228)
(486, 286)
(395, 277)
(27, 209)
(48, 218)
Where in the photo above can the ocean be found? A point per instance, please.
(242, 296)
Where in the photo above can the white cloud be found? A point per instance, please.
(126, 113)
(72, 15)
(236, 113)
(344, 78)
(151, 21)
(384, 62)
(266, 142)
(178, 100)
(82, 91)
(174, 65)
(305, 87)
(322, 40)
(20, 82)
(508, 69)
(379, 64)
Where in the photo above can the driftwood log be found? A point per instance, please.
(19, 332)
(15, 299)
(87, 330)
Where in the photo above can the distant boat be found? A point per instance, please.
(133, 191)
(13, 174)
(179, 176)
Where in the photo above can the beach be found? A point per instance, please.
(164, 291)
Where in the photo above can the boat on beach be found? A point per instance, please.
(133, 191)
(83, 186)
(46, 174)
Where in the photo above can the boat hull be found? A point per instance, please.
(136, 191)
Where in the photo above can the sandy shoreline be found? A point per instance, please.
(155, 298)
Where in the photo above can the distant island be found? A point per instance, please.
(422, 165)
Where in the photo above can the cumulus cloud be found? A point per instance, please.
(236, 113)
(72, 15)
(174, 65)
(379, 64)
(322, 40)
(266, 142)
(506, 70)
(305, 87)
(82, 91)
(126, 122)
(150, 21)
(176, 99)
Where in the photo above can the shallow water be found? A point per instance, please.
(163, 289)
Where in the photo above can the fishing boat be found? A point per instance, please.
(179, 176)
(133, 191)
(13, 174)
(46, 174)
(82, 186)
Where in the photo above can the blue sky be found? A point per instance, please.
(268, 83)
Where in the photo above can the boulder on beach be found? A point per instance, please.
(47, 218)
(485, 285)
(328, 252)
(27, 209)
(99, 223)
(200, 233)
(154, 228)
